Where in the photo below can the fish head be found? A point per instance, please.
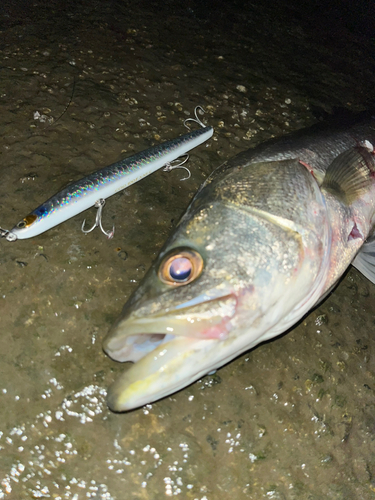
(225, 278)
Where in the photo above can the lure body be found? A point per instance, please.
(101, 184)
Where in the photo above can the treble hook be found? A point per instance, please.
(196, 119)
(169, 167)
(99, 204)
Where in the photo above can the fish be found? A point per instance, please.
(267, 236)
(93, 189)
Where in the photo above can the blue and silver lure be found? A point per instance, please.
(95, 188)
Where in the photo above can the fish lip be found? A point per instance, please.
(160, 327)
(117, 351)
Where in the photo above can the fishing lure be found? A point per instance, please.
(93, 189)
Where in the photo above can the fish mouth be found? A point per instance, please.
(169, 350)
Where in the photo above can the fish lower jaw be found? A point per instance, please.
(173, 363)
(163, 370)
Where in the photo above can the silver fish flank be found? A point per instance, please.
(266, 237)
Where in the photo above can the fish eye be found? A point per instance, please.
(27, 221)
(181, 267)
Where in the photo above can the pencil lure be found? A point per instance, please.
(93, 189)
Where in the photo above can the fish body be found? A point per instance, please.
(84, 193)
(266, 237)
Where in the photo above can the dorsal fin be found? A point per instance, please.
(350, 174)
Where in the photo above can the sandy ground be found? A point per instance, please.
(294, 418)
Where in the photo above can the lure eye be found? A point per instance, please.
(27, 221)
(180, 268)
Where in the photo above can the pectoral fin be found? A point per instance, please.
(350, 174)
(365, 260)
